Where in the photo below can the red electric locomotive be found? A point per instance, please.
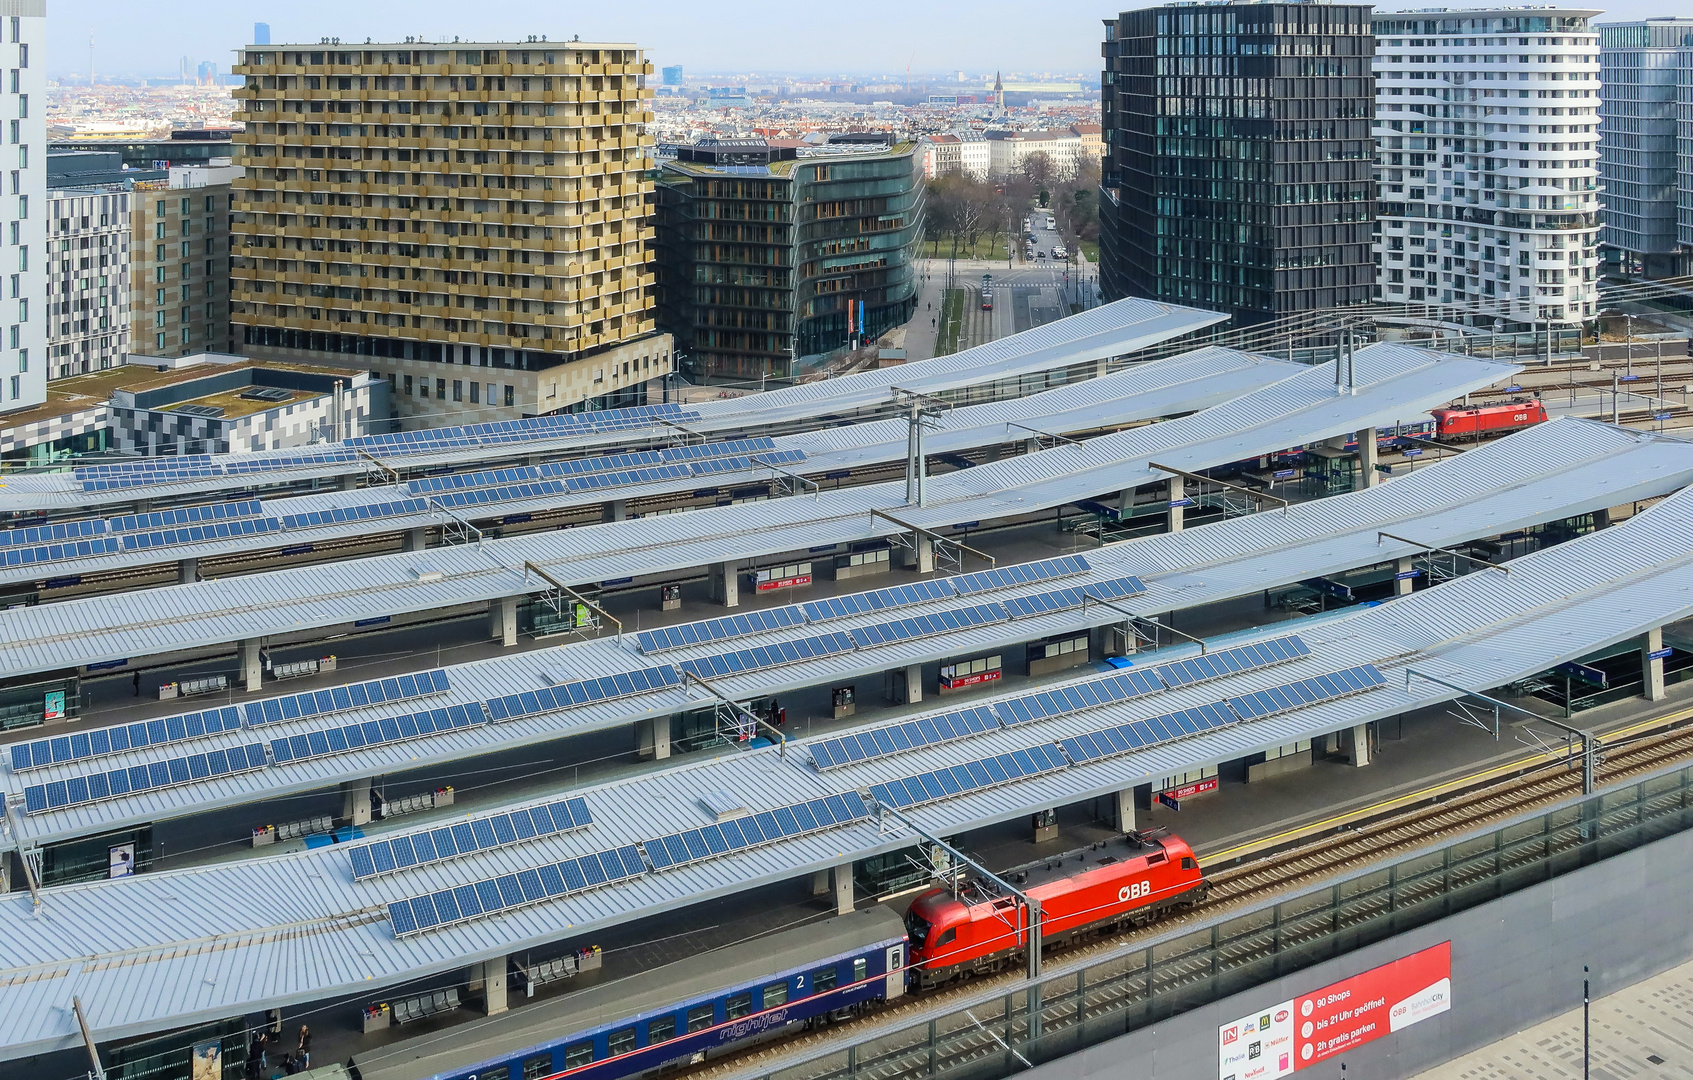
(1488, 419)
(1130, 880)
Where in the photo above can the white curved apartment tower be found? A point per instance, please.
(1487, 130)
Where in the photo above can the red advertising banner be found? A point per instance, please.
(784, 583)
(1292, 1035)
(958, 682)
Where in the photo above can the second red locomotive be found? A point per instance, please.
(1130, 880)
(1488, 419)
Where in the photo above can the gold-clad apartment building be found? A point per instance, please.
(471, 221)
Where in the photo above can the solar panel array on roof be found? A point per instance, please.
(500, 432)
(692, 845)
(481, 478)
(47, 534)
(708, 630)
(187, 515)
(841, 607)
(69, 549)
(494, 895)
(193, 534)
(598, 480)
(243, 464)
(585, 692)
(1021, 574)
(1040, 705)
(534, 489)
(94, 787)
(1060, 700)
(340, 698)
(1229, 661)
(1139, 734)
(971, 776)
(602, 463)
(346, 738)
(342, 514)
(115, 740)
(898, 738)
(468, 837)
(722, 448)
(940, 622)
(1075, 597)
(768, 656)
(1296, 695)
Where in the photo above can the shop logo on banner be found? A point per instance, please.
(1294, 1034)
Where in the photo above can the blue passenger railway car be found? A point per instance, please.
(688, 1011)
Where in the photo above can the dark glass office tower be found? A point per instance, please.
(1237, 170)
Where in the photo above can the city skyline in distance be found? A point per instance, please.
(880, 36)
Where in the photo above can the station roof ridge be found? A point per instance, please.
(296, 928)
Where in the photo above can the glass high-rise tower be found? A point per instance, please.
(1236, 174)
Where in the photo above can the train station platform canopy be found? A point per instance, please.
(1112, 330)
(165, 950)
(1394, 384)
(1551, 472)
(1168, 387)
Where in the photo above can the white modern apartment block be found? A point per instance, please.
(23, 360)
(87, 279)
(975, 154)
(1640, 66)
(1487, 130)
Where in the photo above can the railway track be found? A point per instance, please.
(1540, 782)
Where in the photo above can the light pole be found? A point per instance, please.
(1586, 1005)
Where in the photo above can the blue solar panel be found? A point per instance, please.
(1296, 695)
(491, 896)
(969, 777)
(587, 691)
(351, 696)
(622, 478)
(479, 479)
(1074, 597)
(1139, 734)
(186, 515)
(923, 626)
(1022, 574)
(602, 463)
(1077, 696)
(840, 607)
(55, 552)
(896, 739)
(114, 740)
(723, 448)
(708, 630)
(350, 737)
(48, 534)
(353, 514)
(112, 784)
(694, 845)
(768, 656)
(1215, 665)
(439, 844)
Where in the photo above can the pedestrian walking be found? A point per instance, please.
(305, 1051)
(137, 684)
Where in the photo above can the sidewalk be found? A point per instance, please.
(1641, 1031)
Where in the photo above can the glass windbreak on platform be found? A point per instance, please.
(1135, 988)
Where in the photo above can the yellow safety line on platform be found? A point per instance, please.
(1448, 785)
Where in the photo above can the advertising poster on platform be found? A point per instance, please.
(1292, 1035)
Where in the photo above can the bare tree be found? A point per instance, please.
(1038, 169)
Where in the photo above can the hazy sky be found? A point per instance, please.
(704, 35)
